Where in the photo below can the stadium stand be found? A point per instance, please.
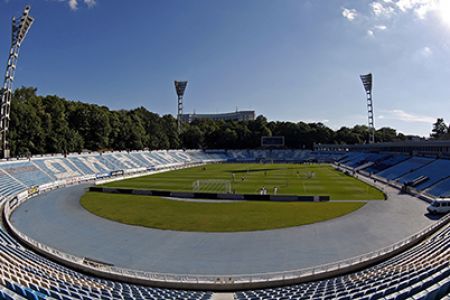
(360, 159)
(34, 277)
(58, 168)
(26, 173)
(423, 174)
(92, 164)
(440, 189)
(349, 157)
(431, 173)
(385, 163)
(404, 167)
(8, 185)
(325, 156)
(422, 272)
(423, 267)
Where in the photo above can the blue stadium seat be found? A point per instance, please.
(404, 167)
(440, 189)
(434, 172)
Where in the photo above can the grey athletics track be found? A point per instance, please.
(58, 220)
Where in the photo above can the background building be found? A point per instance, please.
(245, 115)
(434, 148)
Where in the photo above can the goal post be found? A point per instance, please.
(212, 186)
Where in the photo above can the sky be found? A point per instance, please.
(290, 60)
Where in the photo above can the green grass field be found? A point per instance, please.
(161, 213)
(200, 216)
(290, 179)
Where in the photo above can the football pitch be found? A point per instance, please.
(216, 216)
(282, 179)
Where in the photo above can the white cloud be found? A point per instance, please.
(388, 10)
(90, 3)
(422, 56)
(378, 9)
(405, 5)
(73, 4)
(371, 31)
(380, 27)
(421, 8)
(401, 115)
(349, 14)
(426, 52)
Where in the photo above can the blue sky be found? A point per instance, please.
(292, 60)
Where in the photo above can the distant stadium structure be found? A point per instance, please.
(435, 148)
(245, 115)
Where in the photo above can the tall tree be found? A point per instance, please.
(52, 124)
(440, 129)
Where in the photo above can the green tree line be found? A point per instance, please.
(51, 124)
(440, 131)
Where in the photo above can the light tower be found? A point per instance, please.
(180, 87)
(367, 82)
(19, 31)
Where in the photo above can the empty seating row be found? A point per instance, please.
(404, 167)
(432, 173)
(440, 189)
(421, 173)
(369, 157)
(385, 163)
(424, 267)
(26, 172)
(9, 185)
(33, 277)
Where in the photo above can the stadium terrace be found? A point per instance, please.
(419, 266)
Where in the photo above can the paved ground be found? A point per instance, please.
(58, 220)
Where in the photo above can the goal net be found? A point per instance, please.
(306, 175)
(212, 186)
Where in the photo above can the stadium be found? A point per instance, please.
(338, 221)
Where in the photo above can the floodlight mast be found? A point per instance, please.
(180, 87)
(367, 82)
(19, 32)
